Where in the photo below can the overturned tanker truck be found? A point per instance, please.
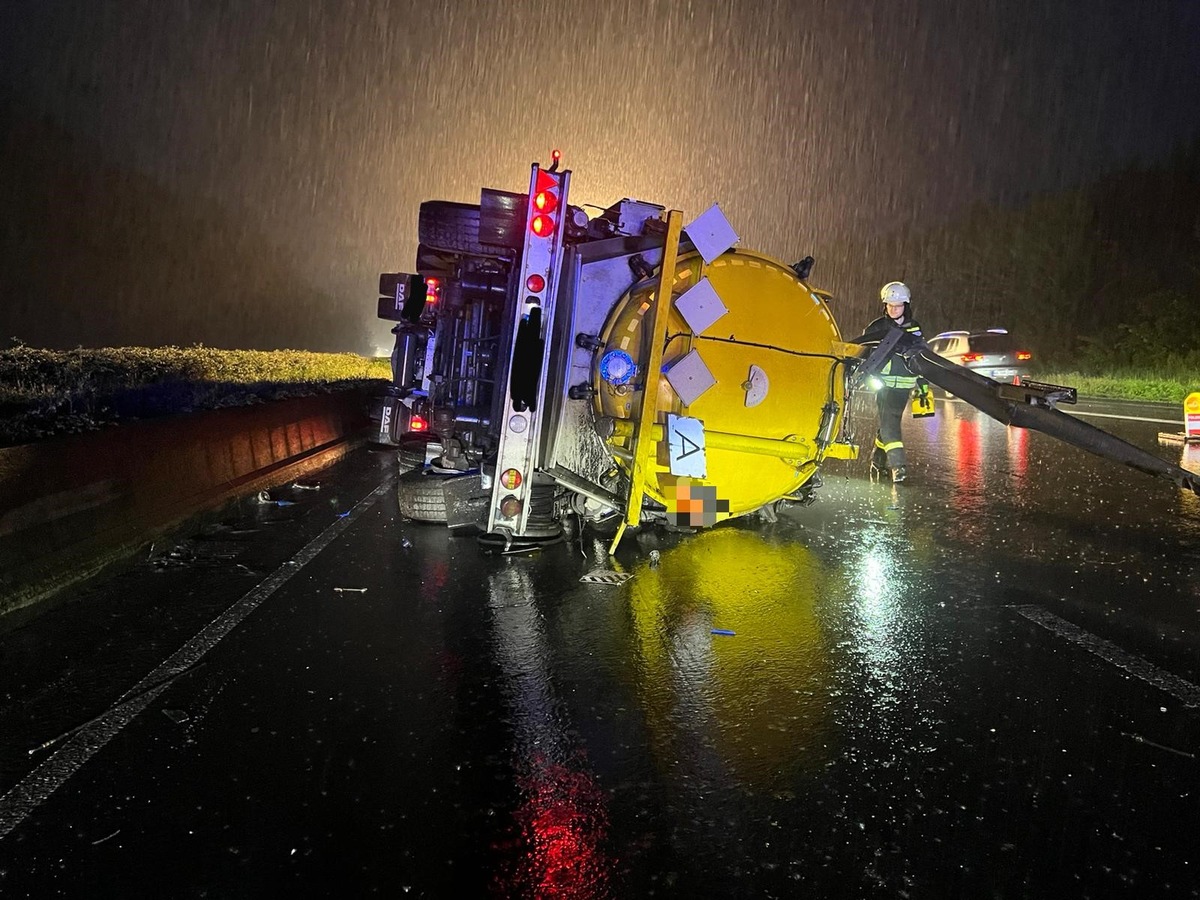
(540, 377)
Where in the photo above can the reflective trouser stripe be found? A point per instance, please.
(891, 404)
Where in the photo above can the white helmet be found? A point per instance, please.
(895, 292)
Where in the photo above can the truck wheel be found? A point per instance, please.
(414, 451)
(454, 227)
(420, 495)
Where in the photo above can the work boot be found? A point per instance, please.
(879, 466)
(898, 474)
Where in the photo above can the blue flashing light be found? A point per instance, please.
(617, 367)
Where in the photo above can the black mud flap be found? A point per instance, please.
(403, 297)
(527, 361)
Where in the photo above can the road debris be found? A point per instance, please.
(725, 632)
(346, 590)
(605, 576)
(195, 552)
(265, 497)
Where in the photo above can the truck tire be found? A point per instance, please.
(413, 452)
(454, 227)
(420, 495)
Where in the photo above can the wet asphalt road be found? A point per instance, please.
(982, 683)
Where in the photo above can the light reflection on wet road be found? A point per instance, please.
(972, 684)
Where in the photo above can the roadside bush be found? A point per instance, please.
(1161, 331)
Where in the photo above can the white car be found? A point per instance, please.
(994, 353)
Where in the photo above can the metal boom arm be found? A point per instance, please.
(1031, 408)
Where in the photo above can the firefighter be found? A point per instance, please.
(891, 400)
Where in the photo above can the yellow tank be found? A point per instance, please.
(776, 385)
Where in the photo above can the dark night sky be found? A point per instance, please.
(322, 125)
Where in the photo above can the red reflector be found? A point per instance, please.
(536, 283)
(418, 424)
(1024, 355)
(510, 507)
(545, 182)
(511, 479)
(542, 226)
(545, 202)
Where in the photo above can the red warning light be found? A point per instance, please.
(542, 226)
(545, 202)
(536, 283)
(418, 424)
(511, 479)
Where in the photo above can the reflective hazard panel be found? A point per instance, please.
(711, 233)
(685, 446)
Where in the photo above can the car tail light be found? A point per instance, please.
(418, 424)
(542, 225)
(1024, 355)
(972, 357)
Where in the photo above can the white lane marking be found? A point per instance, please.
(1096, 415)
(1155, 745)
(1181, 689)
(36, 787)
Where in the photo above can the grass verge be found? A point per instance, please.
(1170, 387)
(45, 393)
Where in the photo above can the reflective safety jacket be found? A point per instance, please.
(894, 373)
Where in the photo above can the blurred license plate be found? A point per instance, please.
(1002, 373)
